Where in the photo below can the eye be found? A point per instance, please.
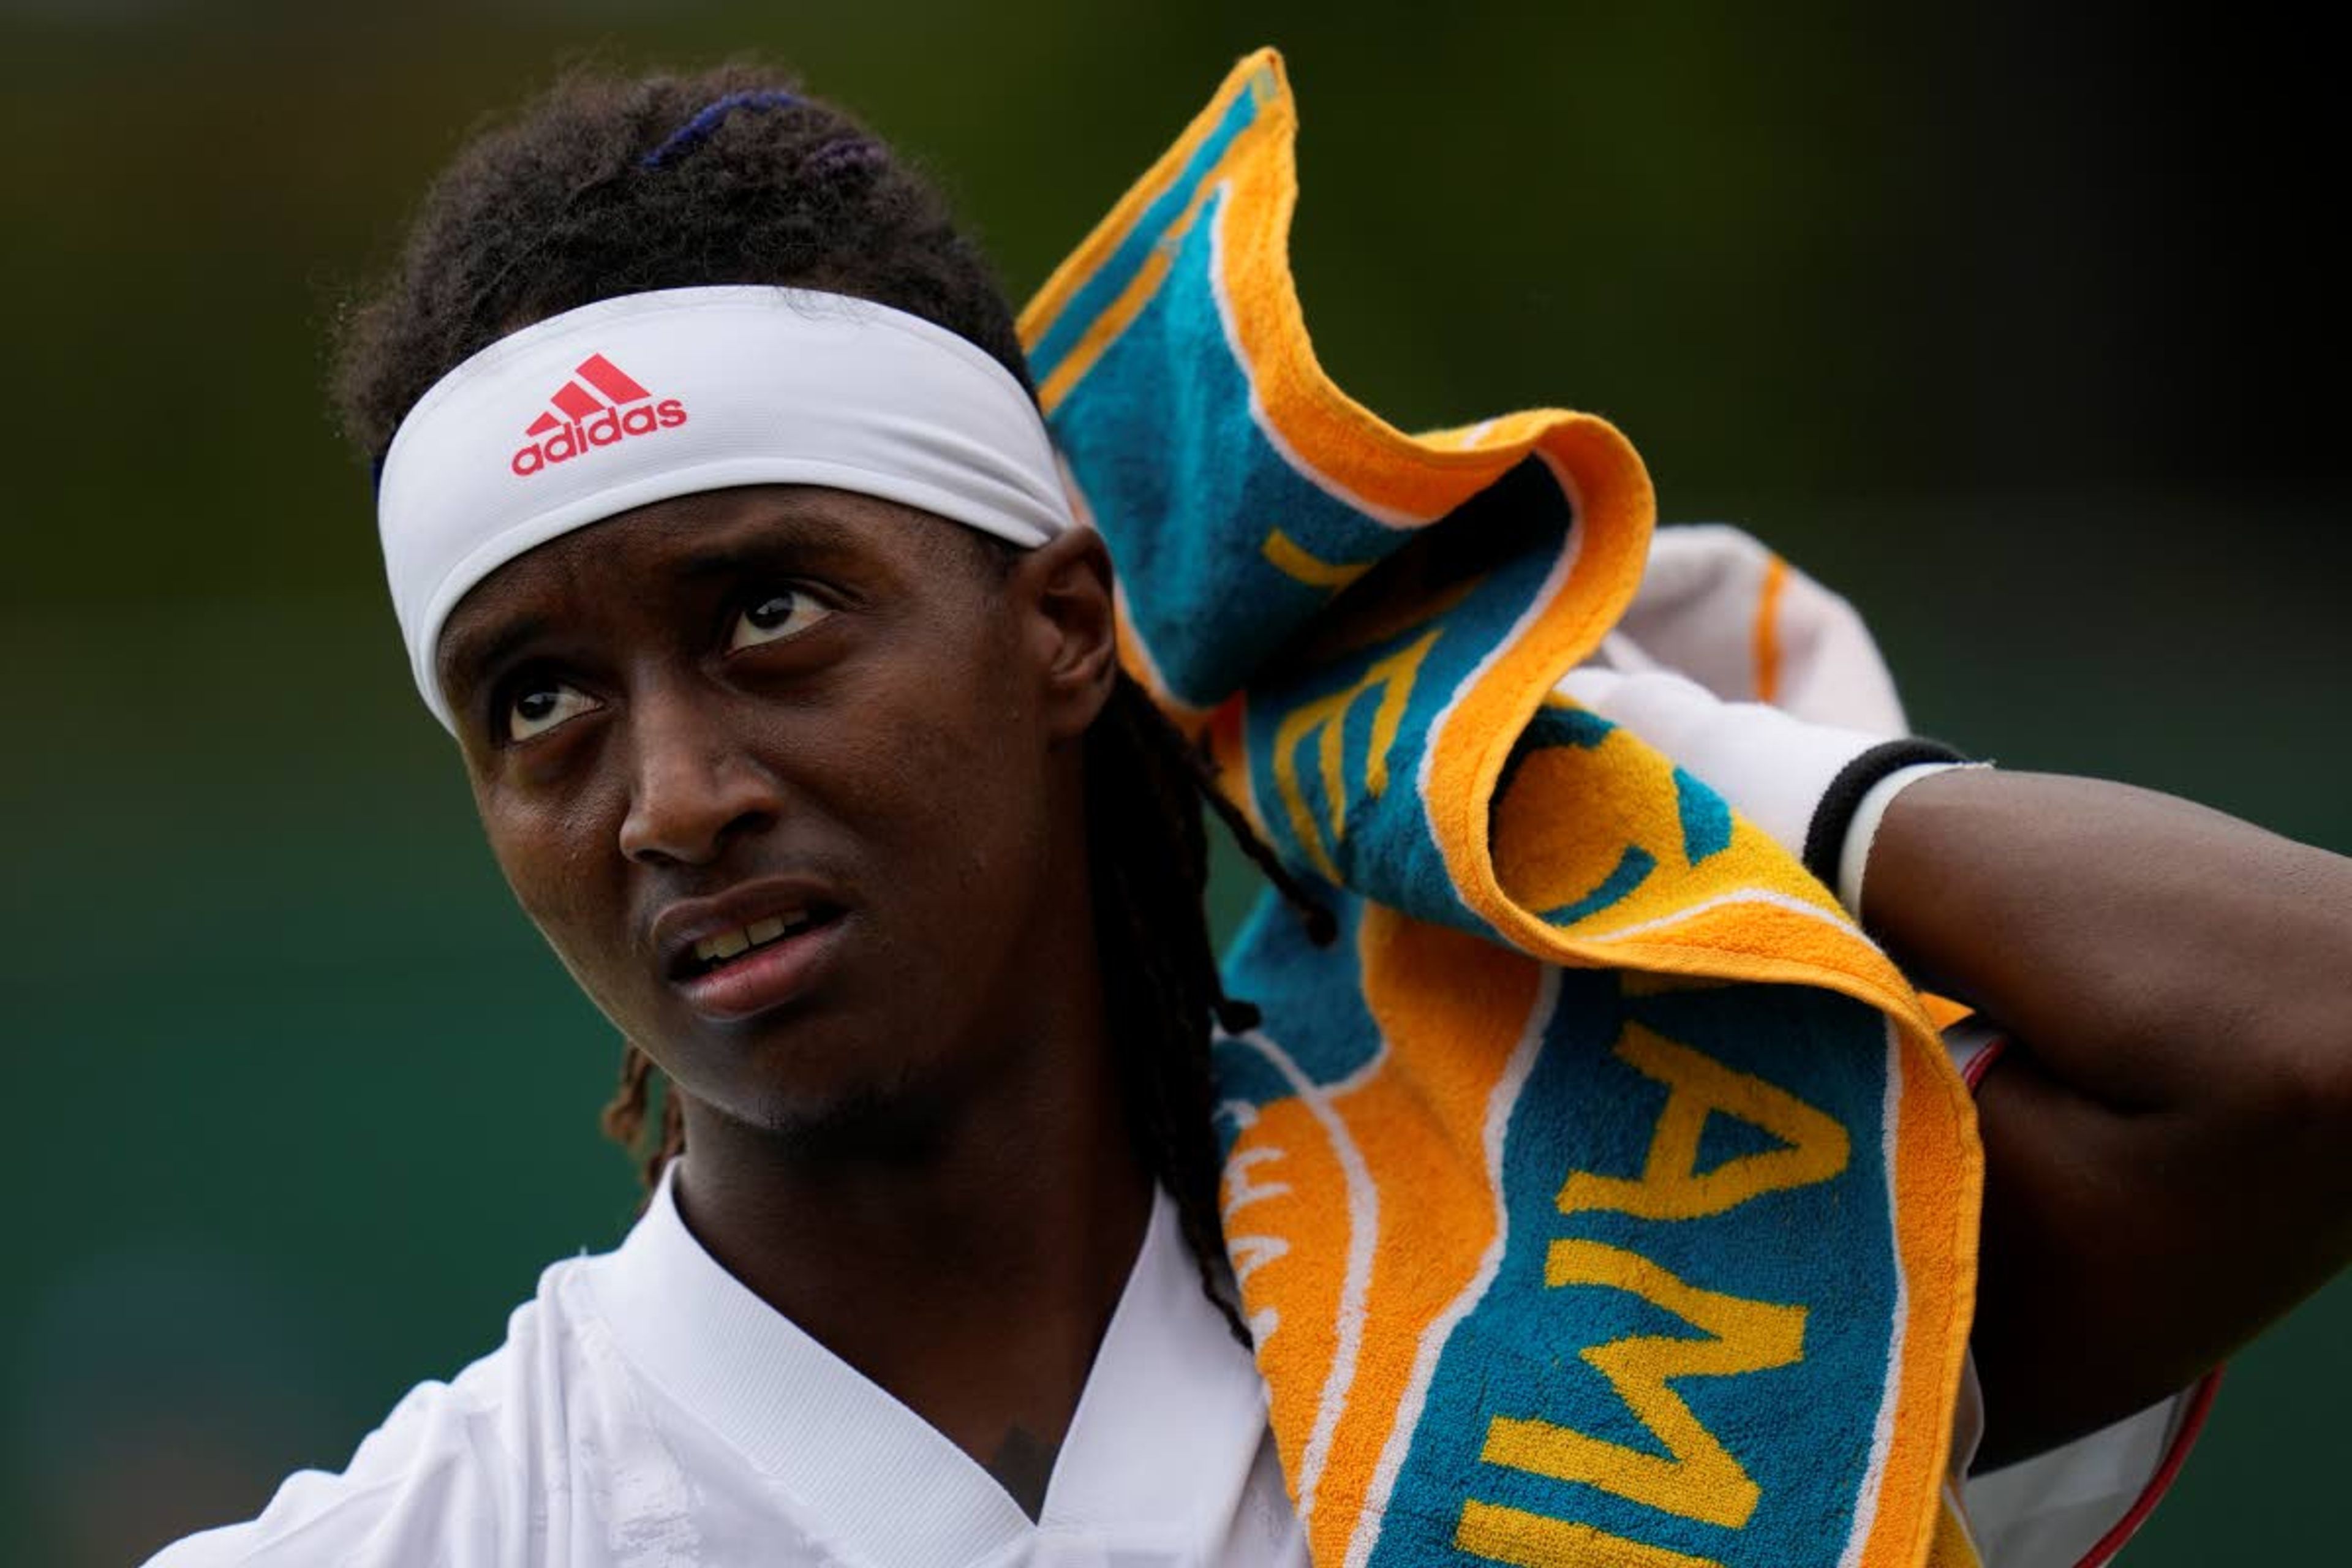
(773, 615)
(542, 705)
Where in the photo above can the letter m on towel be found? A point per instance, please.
(1696, 1477)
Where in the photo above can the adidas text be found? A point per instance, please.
(609, 428)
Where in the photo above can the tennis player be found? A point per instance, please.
(788, 693)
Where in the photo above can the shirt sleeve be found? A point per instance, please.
(418, 1491)
(2076, 1506)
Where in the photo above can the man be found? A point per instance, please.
(789, 695)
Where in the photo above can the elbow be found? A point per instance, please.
(2271, 1001)
(2305, 1008)
(2287, 1091)
(2313, 992)
(2316, 1072)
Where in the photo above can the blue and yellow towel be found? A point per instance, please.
(1602, 1196)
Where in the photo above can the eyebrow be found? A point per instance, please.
(786, 538)
(474, 652)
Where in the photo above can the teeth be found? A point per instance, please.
(726, 944)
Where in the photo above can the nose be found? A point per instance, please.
(695, 785)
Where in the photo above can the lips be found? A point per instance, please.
(713, 951)
(755, 947)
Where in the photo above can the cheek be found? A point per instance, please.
(961, 796)
(537, 848)
(992, 778)
(549, 859)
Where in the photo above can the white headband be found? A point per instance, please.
(638, 399)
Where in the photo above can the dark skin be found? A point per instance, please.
(2166, 1141)
(918, 1153)
(919, 1157)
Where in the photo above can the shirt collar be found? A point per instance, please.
(1165, 1429)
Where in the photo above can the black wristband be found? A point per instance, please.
(1825, 837)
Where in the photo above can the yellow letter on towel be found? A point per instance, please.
(1699, 1478)
(1392, 678)
(1671, 1185)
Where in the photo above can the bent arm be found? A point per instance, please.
(2168, 1141)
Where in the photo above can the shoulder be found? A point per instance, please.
(458, 1474)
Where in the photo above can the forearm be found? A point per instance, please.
(2156, 954)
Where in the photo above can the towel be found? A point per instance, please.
(1601, 1195)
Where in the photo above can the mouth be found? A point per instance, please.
(752, 952)
(720, 949)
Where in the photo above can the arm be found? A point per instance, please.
(2168, 1143)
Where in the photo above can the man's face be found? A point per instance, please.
(788, 778)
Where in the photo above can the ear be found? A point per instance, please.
(1064, 590)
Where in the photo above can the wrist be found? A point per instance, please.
(1805, 784)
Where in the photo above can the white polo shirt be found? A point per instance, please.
(648, 1411)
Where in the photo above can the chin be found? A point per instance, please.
(823, 1091)
(859, 1122)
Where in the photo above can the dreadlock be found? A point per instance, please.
(604, 187)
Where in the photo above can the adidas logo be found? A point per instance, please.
(601, 406)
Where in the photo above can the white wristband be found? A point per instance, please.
(1817, 789)
(1853, 855)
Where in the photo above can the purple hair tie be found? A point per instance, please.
(848, 153)
(707, 118)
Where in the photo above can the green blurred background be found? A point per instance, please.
(2010, 325)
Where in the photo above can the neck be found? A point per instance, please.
(965, 1256)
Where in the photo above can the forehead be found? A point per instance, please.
(646, 554)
